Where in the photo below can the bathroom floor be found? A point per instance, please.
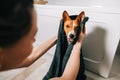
(37, 70)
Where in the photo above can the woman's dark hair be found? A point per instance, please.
(15, 20)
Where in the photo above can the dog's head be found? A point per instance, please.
(71, 26)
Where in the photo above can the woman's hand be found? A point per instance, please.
(81, 37)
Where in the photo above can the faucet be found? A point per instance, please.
(40, 2)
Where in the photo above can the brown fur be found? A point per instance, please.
(70, 24)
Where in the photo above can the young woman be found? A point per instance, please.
(17, 34)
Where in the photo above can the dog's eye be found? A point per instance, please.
(76, 28)
(68, 26)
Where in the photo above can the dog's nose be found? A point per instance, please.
(71, 35)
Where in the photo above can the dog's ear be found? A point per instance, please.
(65, 16)
(81, 16)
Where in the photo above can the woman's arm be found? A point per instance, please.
(73, 64)
(39, 51)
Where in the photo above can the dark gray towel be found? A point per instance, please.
(62, 54)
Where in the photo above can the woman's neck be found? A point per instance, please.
(6, 63)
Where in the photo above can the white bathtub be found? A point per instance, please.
(103, 29)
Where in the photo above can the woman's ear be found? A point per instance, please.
(0, 58)
(1, 52)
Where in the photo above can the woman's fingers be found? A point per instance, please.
(84, 30)
(83, 33)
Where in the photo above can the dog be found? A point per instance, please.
(71, 25)
(69, 30)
